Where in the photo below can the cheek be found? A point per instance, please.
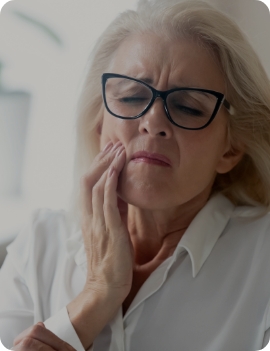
(108, 130)
(197, 154)
(193, 172)
(201, 152)
(116, 129)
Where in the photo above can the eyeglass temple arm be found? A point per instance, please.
(229, 107)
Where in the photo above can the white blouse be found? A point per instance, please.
(212, 294)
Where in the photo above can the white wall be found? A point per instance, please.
(53, 75)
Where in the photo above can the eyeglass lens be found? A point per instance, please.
(187, 108)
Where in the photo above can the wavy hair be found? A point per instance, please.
(247, 89)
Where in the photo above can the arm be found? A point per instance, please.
(16, 305)
(90, 315)
(110, 259)
(108, 247)
(266, 338)
(17, 310)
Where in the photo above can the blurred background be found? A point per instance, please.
(44, 46)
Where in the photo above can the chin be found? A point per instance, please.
(143, 203)
(141, 195)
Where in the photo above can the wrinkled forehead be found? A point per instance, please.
(164, 61)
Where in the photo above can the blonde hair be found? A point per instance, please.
(247, 89)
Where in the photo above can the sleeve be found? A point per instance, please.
(266, 338)
(16, 305)
(17, 308)
(62, 329)
(267, 327)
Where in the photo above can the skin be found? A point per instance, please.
(163, 201)
(37, 337)
(125, 243)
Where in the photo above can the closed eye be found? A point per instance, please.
(189, 110)
(129, 100)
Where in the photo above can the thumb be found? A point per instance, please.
(41, 324)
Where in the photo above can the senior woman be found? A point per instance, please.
(168, 245)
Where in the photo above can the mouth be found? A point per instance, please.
(151, 158)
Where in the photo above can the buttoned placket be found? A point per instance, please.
(120, 325)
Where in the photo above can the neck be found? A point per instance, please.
(156, 233)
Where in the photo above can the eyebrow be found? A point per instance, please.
(182, 82)
(145, 79)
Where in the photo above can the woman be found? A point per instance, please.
(169, 245)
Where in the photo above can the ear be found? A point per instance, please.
(231, 157)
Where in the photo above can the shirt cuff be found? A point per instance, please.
(62, 327)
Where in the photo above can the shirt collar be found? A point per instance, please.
(198, 240)
(204, 230)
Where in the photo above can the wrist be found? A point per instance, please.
(89, 313)
(105, 295)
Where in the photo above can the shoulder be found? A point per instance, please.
(251, 219)
(249, 229)
(43, 238)
(50, 224)
(46, 224)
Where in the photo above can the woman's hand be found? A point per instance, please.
(39, 338)
(107, 241)
(108, 247)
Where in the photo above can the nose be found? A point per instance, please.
(155, 122)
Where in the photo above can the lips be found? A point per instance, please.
(153, 156)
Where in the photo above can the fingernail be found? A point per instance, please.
(107, 146)
(116, 146)
(120, 151)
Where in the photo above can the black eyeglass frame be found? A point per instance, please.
(163, 95)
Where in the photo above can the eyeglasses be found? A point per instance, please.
(189, 108)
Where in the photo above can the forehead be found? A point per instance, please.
(161, 61)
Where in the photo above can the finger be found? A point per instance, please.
(40, 334)
(85, 179)
(98, 219)
(111, 212)
(98, 194)
(91, 190)
(29, 344)
(123, 209)
(100, 164)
